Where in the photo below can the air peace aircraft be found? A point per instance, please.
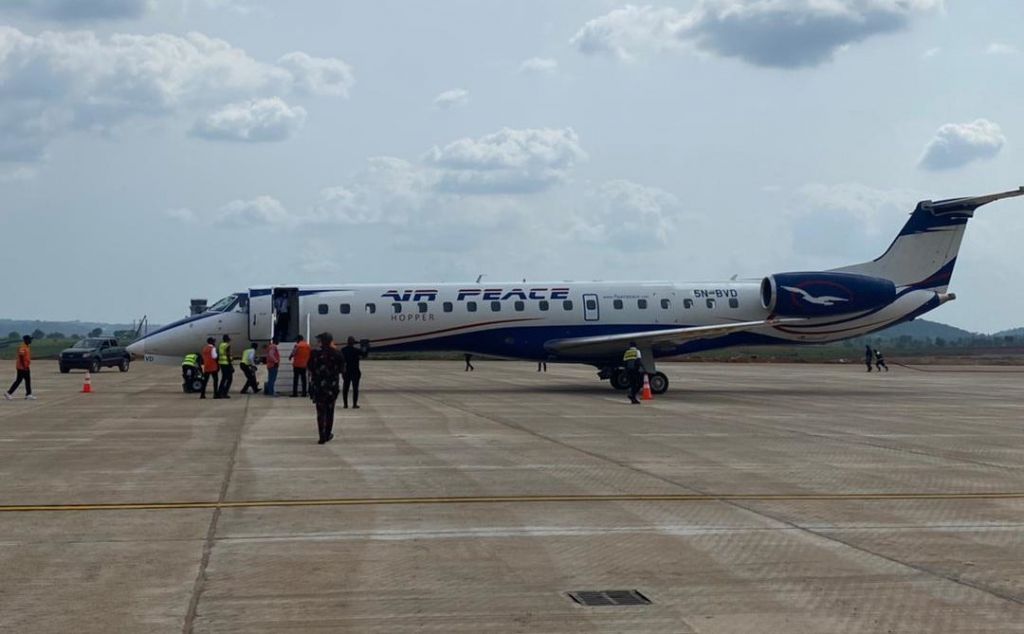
(593, 322)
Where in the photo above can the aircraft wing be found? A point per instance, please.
(602, 345)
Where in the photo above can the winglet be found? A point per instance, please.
(968, 204)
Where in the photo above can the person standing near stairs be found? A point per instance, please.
(351, 373)
(22, 365)
(273, 361)
(248, 367)
(300, 359)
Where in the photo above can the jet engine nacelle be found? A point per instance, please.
(824, 293)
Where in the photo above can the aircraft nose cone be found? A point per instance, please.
(136, 349)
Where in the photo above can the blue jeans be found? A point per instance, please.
(268, 389)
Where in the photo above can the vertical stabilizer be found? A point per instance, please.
(924, 253)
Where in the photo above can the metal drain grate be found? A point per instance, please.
(609, 597)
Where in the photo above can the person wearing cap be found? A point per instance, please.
(634, 364)
(325, 364)
(22, 365)
(227, 370)
(351, 373)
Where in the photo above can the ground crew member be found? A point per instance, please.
(273, 361)
(227, 370)
(190, 370)
(634, 364)
(300, 359)
(351, 373)
(22, 365)
(469, 363)
(867, 357)
(880, 361)
(248, 365)
(210, 367)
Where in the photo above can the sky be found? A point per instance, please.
(152, 151)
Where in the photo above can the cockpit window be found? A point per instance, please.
(229, 303)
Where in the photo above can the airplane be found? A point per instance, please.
(593, 322)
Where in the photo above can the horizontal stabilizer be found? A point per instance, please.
(968, 204)
(601, 345)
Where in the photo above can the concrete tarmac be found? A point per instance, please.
(751, 498)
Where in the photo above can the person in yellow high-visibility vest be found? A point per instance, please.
(227, 370)
(634, 364)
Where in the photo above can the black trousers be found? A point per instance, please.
(227, 373)
(325, 419)
(298, 373)
(636, 381)
(250, 379)
(23, 375)
(351, 380)
(206, 379)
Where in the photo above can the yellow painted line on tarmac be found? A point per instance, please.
(509, 499)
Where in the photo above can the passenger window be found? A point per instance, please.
(447, 306)
(495, 307)
(471, 307)
(711, 303)
(567, 304)
(687, 303)
(641, 304)
(617, 304)
(734, 303)
(666, 304)
(422, 307)
(322, 309)
(543, 304)
(520, 306)
(396, 307)
(371, 309)
(346, 309)
(591, 304)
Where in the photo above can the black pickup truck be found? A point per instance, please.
(93, 353)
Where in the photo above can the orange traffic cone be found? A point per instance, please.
(87, 385)
(646, 394)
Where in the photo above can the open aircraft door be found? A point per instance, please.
(261, 314)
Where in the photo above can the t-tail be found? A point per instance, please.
(924, 253)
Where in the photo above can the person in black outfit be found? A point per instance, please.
(880, 361)
(352, 372)
(868, 357)
(325, 364)
(469, 364)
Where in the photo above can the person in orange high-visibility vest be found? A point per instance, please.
(300, 359)
(210, 367)
(22, 365)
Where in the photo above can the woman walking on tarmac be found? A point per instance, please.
(325, 364)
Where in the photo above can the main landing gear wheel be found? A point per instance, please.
(659, 382)
(619, 380)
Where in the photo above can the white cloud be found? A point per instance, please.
(80, 10)
(930, 53)
(507, 161)
(631, 31)
(256, 212)
(389, 191)
(998, 48)
(773, 33)
(455, 98)
(957, 144)
(539, 66)
(256, 120)
(625, 213)
(181, 214)
(319, 75)
(61, 81)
